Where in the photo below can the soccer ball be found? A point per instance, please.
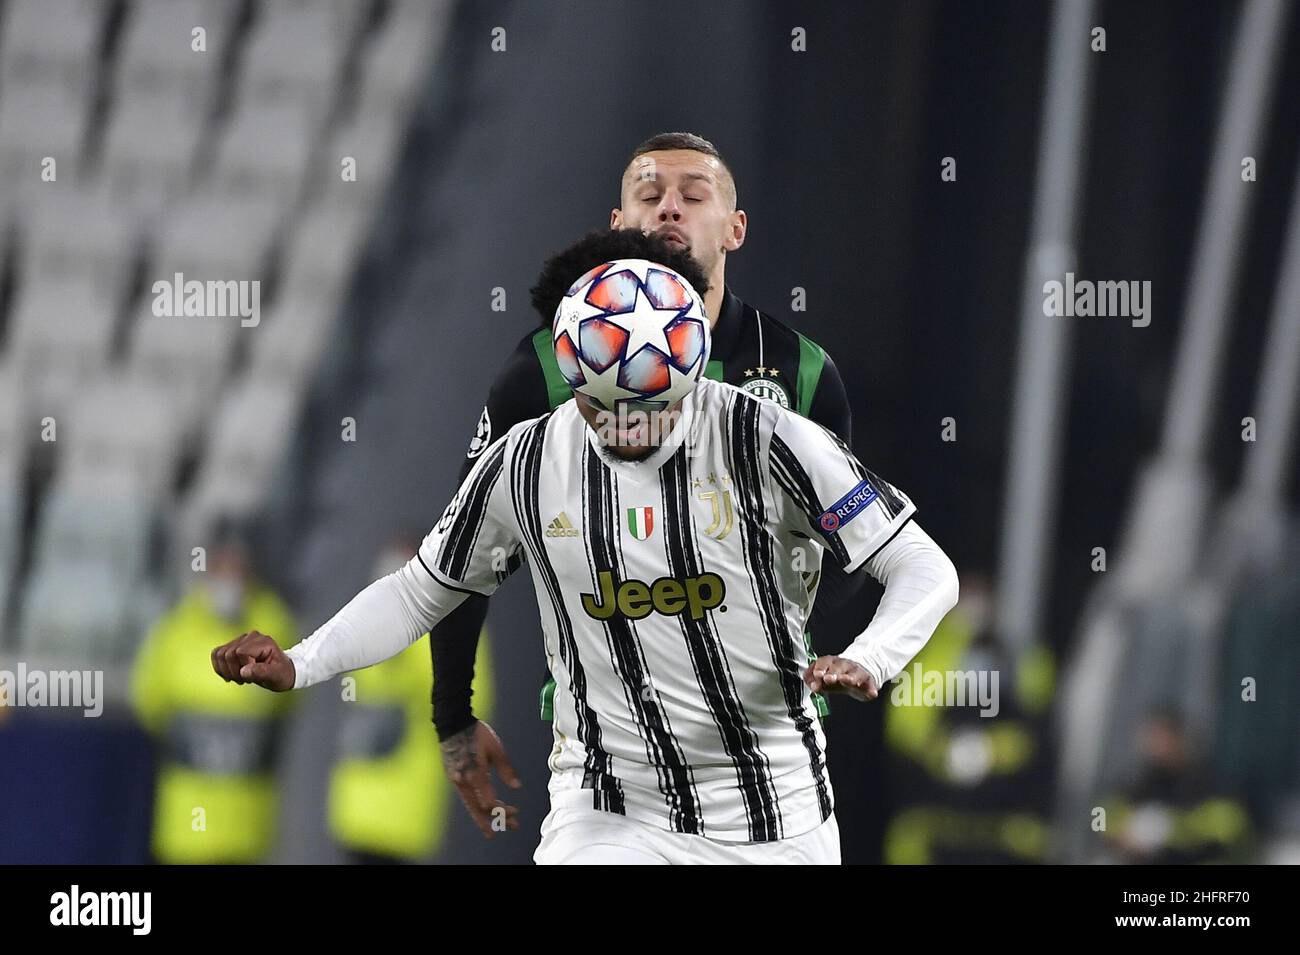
(631, 331)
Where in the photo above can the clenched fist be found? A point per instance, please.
(833, 674)
(254, 658)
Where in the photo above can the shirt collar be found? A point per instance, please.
(726, 331)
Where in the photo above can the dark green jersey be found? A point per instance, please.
(750, 349)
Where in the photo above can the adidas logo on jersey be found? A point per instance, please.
(561, 527)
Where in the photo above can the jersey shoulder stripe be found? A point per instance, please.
(790, 472)
(466, 515)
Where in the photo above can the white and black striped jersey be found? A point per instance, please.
(673, 599)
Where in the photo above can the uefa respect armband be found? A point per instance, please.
(847, 507)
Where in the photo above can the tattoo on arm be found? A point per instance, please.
(460, 752)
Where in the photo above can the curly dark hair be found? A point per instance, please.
(596, 248)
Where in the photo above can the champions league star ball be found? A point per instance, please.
(631, 332)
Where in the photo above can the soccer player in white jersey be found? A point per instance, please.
(668, 555)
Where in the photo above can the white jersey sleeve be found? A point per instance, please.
(921, 586)
(864, 521)
(472, 548)
(826, 493)
(476, 543)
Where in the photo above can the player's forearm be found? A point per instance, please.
(920, 588)
(453, 644)
(380, 622)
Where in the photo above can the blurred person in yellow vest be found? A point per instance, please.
(389, 799)
(970, 777)
(216, 799)
(1175, 812)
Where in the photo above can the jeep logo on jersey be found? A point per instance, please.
(848, 507)
(634, 599)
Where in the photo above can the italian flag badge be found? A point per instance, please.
(641, 521)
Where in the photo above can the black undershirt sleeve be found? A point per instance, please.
(830, 409)
(830, 403)
(517, 394)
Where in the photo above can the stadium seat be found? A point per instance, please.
(294, 57)
(51, 43)
(263, 154)
(15, 439)
(397, 57)
(11, 518)
(16, 432)
(250, 439)
(156, 58)
(94, 525)
(322, 251)
(373, 141)
(214, 237)
(36, 122)
(289, 344)
(149, 149)
(73, 234)
(89, 629)
(62, 335)
(123, 436)
(190, 357)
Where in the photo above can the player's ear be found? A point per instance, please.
(738, 227)
(616, 218)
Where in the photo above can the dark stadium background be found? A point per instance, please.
(914, 285)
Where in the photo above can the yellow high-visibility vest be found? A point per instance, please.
(216, 796)
(388, 793)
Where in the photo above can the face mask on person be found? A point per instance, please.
(226, 595)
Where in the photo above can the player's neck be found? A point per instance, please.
(713, 297)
